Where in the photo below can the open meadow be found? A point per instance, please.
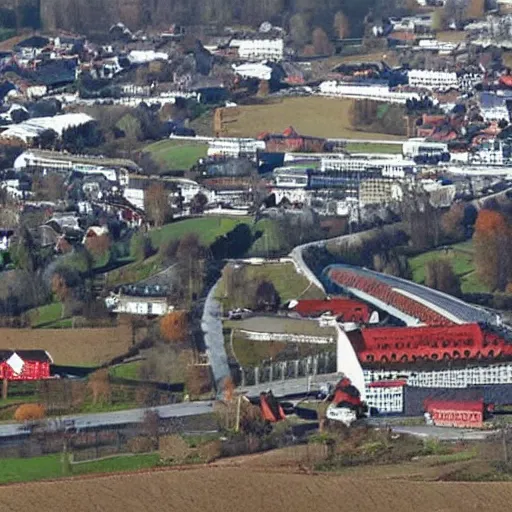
(316, 116)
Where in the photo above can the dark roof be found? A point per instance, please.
(34, 42)
(27, 355)
(56, 72)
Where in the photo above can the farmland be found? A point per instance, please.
(316, 116)
(461, 258)
(71, 346)
(176, 154)
(224, 488)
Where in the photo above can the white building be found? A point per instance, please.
(28, 130)
(259, 49)
(235, 147)
(395, 167)
(371, 92)
(492, 152)
(435, 80)
(419, 146)
(254, 70)
(291, 177)
(147, 306)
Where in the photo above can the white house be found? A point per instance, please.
(147, 306)
(259, 49)
(235, 147)
(359, 91)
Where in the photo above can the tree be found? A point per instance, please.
(341, 25)
(266, 297)
(174, 327)
(156, 204)
(321, 42)
(24, 252)
(493, 249)
(191, 258)
(99, 247)
(140, 246)
(475, 9)
(47, 139)
(299, 29)
(439, 274)
(99, 386)
(198, 203)
(29, 412)
(452, 222)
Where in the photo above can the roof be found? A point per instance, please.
(335, 306)
(455, 405)
(27, 355)
(33, 42)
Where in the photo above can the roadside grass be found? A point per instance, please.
(176, 154)
(359, 147)
(51, 467)
(134, 272)
(269, 241)
(461, 258)
(286, 280)
(313, 115)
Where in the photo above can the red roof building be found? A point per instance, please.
(349, 310)
(25, 364)
(456, 413)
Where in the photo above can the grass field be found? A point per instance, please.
(461, 258)
(176, 154)
(126, 370)
(286, 280)
(47, 314)
(206, 228)
(356, 147)
(317, 116)
(50, 467)
(451, 36)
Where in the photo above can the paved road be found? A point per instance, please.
(211, 324)
(444, 433)
(107, 419)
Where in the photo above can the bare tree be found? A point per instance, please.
(156, 204)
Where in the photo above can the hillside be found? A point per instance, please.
(83, 16)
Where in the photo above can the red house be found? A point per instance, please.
(25, 364)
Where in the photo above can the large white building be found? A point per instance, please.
(235, 147)
(435, 80)
(395, 167)
(371, 92)
(259, 49)
(291, 177)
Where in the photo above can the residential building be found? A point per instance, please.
(419, 146)
(379, 191)
(435, 80)
(378, 167)
(291, 177)
(235, 147)
(138, 305)
(259, 49)
(377, 92)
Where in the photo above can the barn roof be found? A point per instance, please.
(27, 355)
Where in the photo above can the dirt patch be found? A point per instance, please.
(71, 346)
(229, 489)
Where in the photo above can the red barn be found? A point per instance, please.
(456, 413)
(25, 364)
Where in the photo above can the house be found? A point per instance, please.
(138, 305)
(32, 46)
(437, 80)
(95, 232)
(259, 48)
(25, 364)
(291, 141)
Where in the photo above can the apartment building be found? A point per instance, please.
(435, 80)
(376, 92)
(259, 49)
(235, 148)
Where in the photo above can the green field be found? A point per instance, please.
(206, 228)
(176, 154)
(461, 258)
(286, 280)
(47, 314)
(361, 147)
(126, 370)
(50, 467)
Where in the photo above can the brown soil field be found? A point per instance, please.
(234, 489)
(316, 116)
(71, 346)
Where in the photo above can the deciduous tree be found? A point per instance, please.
(452, 222)
(341, 25)
(439, 274)
(493, 249)
(156, 204)
(174, 327)
(321, 42)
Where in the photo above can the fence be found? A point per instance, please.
(275, 371)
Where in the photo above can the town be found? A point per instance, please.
(257, 233)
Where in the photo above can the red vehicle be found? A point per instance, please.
(410, 344)
(347, 310)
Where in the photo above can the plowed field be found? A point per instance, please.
(249, 490)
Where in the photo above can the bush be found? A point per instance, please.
(30, 412)
(140, 444)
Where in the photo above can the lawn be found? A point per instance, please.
(357, 147)
(206, 228)
(45, 315)
(285, 278)
(461, 258)
(126, 370)
(50, 467)
(176, 154)
(316, 116)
